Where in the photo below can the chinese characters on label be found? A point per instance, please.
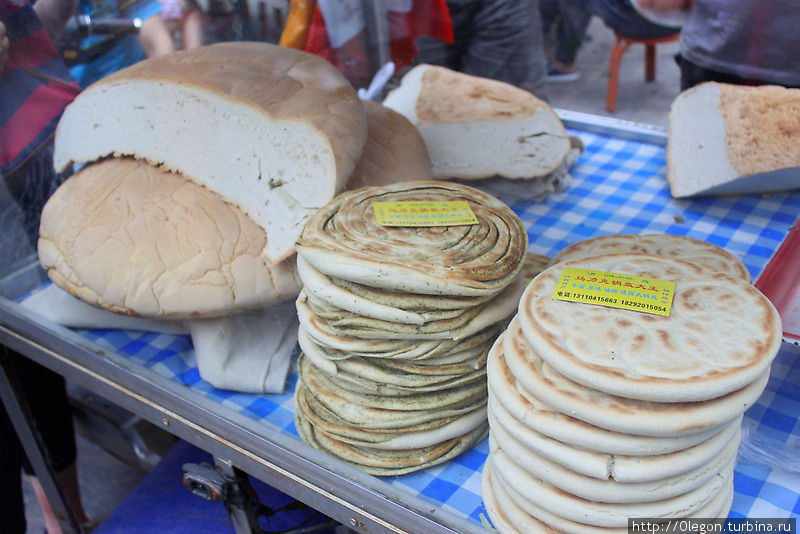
(616, 290)
(421, 213)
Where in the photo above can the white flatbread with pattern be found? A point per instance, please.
(661, 245)
(721, 335)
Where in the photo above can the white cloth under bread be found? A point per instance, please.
(58, 306)
(249, 352)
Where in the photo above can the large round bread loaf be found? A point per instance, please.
(273, 130)
(394, 151)
(135, 239)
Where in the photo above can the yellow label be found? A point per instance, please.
(616, 290)
(420, 213)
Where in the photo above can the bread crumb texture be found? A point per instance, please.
(449, 96)
(763, 127)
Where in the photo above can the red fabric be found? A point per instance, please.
(427, 17)
(350, 58)
(45, 103)
(33, 51)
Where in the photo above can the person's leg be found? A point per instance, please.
(620, 16)
(12, 507)
(506, 43)
(192, 26)
(570, 30)
(550, 12)
(47, 397)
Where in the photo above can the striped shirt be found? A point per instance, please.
(35, 86)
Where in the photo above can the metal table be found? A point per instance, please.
(359, 501)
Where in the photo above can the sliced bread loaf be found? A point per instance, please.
(478, 128)
(730, 139)
(275, 131)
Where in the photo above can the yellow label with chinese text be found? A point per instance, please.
(616, 290)
(423, 213)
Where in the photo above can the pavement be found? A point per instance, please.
(637, 100)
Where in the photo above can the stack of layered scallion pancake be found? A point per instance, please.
(396, 324)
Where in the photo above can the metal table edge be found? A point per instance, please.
(621, 129)
(357, 500)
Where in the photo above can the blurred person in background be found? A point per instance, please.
(102, 54)
(499, 39)
(35, 87)
(184, 22)
(748, 43)
(572, 17)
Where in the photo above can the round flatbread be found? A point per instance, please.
(384, 414)
(603, 466)
(342, 347)
(343, 240)
(663, 246)
(343, 323)
(423, 435)
(387, 463)
(534, 264)
(523, 515)
(721, 335)
(379, 374)
(392, 306)
(497, 513)
(604, 514)
(631, 416)
(317, 380)
(535, 414)
(359, 384)
(611, 491)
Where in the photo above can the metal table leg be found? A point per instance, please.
(241, 506)
(225, 483)
(25, 426)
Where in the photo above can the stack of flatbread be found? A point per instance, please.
(600, 414)
(396, 324)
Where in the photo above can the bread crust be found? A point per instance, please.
(125, 236)
(394, 151)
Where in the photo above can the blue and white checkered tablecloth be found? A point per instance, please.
(619, 187)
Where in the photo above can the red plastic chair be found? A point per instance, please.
(620, 46)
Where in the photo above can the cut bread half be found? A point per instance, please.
(479, 128)
(275, 131)
(729, 139)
